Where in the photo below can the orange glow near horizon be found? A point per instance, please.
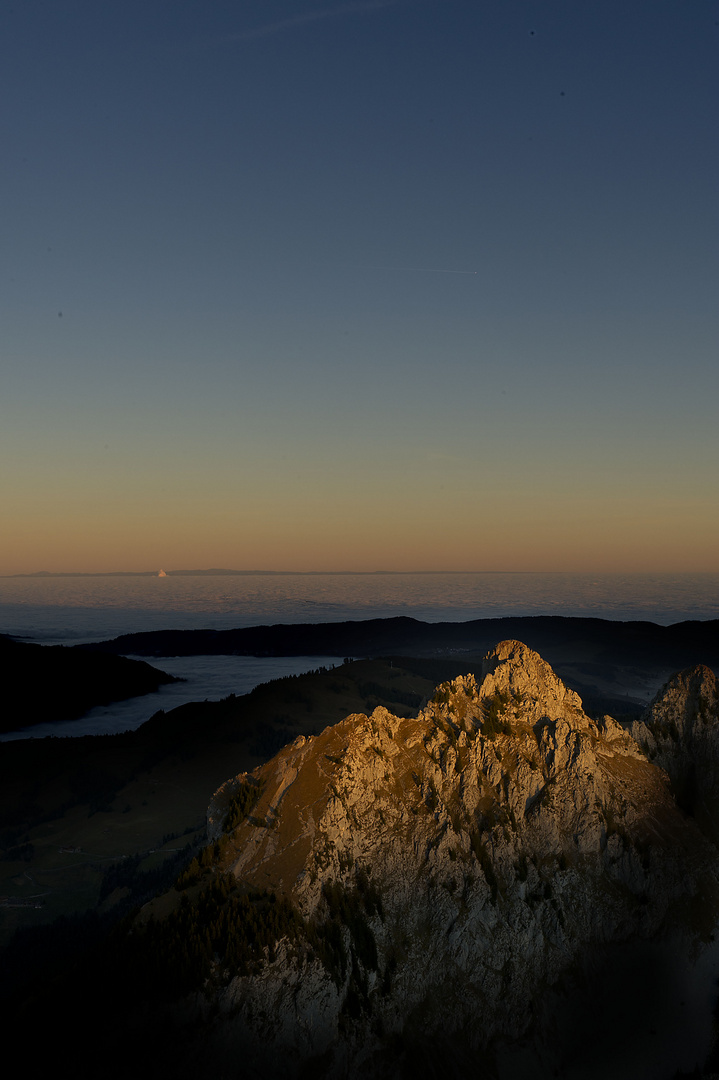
(512, 539)
(231, 336)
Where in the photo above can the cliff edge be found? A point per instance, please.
(459, 879)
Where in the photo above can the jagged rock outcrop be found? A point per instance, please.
(447, 871)
(680, 733)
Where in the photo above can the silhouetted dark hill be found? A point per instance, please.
(603, 640)
(45, 683)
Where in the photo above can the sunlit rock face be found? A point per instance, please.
(680, 733)
(452, 872)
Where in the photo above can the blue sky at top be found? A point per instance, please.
(225, 336)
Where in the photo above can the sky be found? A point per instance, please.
(361, 285)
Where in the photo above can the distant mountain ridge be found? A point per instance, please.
(220, 572)
(141, 573)
(677, 645)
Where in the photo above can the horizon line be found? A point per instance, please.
(227, 572)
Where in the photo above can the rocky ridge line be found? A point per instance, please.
(466, 859)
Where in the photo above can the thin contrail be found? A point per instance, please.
(433, 270)
(419, 269)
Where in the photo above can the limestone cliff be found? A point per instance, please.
(680, 732)
(452, 872)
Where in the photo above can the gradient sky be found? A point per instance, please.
(227, 333)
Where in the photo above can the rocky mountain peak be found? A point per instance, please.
(513, 669)
(688, 702)
(459, 861)
(680, 733)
